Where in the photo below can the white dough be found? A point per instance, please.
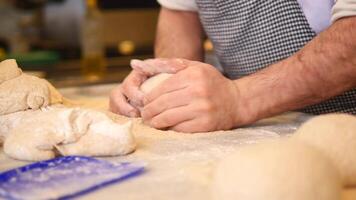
(278, 170)
(153, 82)
(335, 136)
(31, 129)
(70, 131)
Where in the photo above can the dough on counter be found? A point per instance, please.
(19, 92)
(153, 82)
(278, 170)
(335, 136)
(65, 131)
(26, 92)
(9, 70)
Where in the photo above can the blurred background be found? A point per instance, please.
(77, 42)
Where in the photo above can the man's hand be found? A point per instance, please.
(198, 98)
(126, 98)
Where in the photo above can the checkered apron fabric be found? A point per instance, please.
(249, 35)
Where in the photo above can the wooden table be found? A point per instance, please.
(179, 166)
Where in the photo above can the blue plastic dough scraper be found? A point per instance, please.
(64, 177)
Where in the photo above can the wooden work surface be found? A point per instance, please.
(179, 166)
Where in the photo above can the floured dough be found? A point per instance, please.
(279, 170)
(9, 70)
(153, 82)
(70, 131)
(19, 92)
(334, 135)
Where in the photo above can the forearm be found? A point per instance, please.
(179, 35)
(322, 69)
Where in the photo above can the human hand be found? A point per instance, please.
(198, 98)
(126, 98)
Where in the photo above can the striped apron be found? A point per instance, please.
(249, 35)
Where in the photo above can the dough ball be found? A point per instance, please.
(278, 170)
(9, 70)
(153, 82)
(335, 136)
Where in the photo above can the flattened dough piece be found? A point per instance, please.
(153, 82)
(70, 131)
(335, 136)
(279, 170)
(26, 92)
(9, 70)
(103, 137)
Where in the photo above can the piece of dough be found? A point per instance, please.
(103, 136)
(278, 170)
(26, 92)
(334, 135)
(153, 82)
(9, 70)
(19, 92)
(70, 131)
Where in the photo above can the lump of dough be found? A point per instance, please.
(26, 92)
(67, 131)
(278, 170)
(153, 82)
(103, 137)
(9, 70)
(335, 136)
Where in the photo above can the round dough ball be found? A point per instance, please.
(153, 82)
(335, 136)
(278, 170)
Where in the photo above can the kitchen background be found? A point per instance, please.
(78, 42)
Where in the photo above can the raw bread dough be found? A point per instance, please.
(31, 130)
(19, 92)
(153, 82)
(9, 70)
(26, 92)
(278, 170)
(334, 135)
(70, 131)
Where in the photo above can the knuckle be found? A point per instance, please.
(162, 121)
(197, 73)
(147, 113)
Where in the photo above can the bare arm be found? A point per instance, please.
(179, 35)
(322, 69)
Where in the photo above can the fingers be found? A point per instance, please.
(171, 117)
(118, 104)
(130, 88)
(165, 102)
(190, 126)
(152, 67)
